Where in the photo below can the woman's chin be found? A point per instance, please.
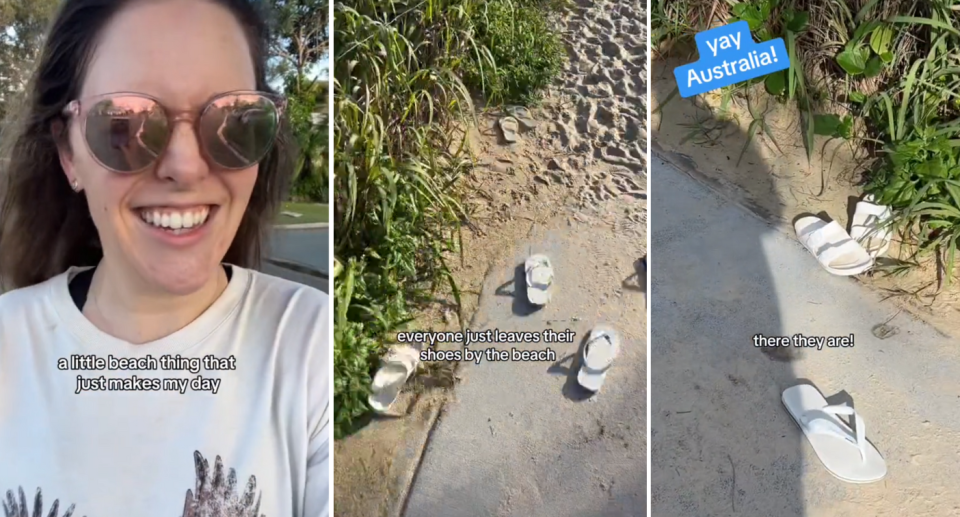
(182, 277)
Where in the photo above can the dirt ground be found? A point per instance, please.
(583, 162)
(782, 184)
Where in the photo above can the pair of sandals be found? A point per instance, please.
(848, 254)
(603, 343)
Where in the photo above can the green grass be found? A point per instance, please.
(310, 213)
(527, 52)
(406, 71)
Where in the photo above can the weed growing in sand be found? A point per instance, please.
(399, 95)
(917, 116)
(668, 27)
(527, 52)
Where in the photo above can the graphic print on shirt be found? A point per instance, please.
(215, 495)
(13, 507)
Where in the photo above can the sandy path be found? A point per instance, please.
(605, 79)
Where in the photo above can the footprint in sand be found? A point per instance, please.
(598, 124)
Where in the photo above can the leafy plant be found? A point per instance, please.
(309, 119)
(917, 117)
(833, 126)
(860, 56)
(526, 51)
(921, 182)
(769, 20)
(757, 14)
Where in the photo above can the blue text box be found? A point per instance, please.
(728, 55)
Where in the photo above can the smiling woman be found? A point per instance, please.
(139, 184)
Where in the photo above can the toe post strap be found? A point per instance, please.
(824, 421)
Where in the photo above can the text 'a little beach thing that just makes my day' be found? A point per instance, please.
(165, 363)
(728, 55)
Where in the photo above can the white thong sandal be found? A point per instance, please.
(510, 129)
(601, 349)
(870, 226)
(395, 368)
(539, 276)
(835, 250)
(846, 454)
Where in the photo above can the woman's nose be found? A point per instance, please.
(183, 161)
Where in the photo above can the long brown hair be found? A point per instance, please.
(45, 227)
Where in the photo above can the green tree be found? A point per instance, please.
(310, 120)
(303, 40)
(299, 56)
(23, 24)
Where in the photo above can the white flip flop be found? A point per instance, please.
(870, 226)
(539, 276)
(846, 454)
(835, 250)
(395, 368)
(510, 129)
(523, 116)
(601, 349)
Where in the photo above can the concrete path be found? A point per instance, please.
(722, 444)
(523, 439)
(322, 284)
(309, 247)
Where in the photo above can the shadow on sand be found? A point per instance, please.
(521, 304)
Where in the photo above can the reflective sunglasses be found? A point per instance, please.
(128, 132)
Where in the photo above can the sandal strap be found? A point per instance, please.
(535, 265)
(868, 208)
(873, 225)
(535, 283)
(828, 253)
(586, 353)
(816, 239)
(823, 421)
(406, 356)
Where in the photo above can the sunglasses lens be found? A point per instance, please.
(239, 130)
(126, 134)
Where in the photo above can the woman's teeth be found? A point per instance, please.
(177, 221)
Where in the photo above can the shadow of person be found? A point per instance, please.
(721, 442)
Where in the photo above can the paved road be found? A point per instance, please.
(522, 438)
(309, 248)
(722, 444)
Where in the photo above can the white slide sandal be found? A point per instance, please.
(846, 454)
(395, 368)
(835, 250)
(870, 226)
(539, 276)
(601, 349)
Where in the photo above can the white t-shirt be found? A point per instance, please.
(158, 453)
